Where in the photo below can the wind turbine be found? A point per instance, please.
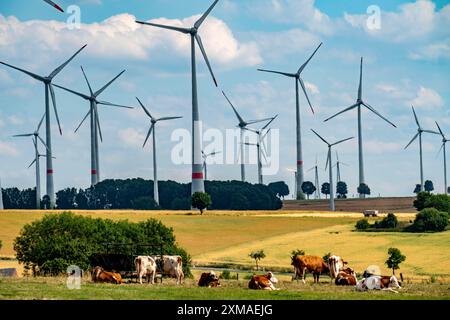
(243, 126)
(261, 135)
(444, 141)
(205, 158)
(198, 184)
(298, 79)
(154, 121)
(359, 103)
(95, 122)
(36, 139)
(47, 80)
(419, 133)
(330, 166)
(316, 179)
(338, 167)
(54, 5)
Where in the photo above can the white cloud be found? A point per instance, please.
(433, 51)
(312, 88)
(427, 98)
(15, 120)
(131, 137)
(380, 147)
(8, 149)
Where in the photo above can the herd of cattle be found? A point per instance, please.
(149, 266)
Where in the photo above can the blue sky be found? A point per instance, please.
(407, 61)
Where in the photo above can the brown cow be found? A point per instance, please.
(100, 275)
(346, 277)
(313, 264)
(209, 279)
(263, 282)
(335, 264)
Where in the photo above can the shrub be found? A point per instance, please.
(430, 219)
(362, 224)
(226, 275)
(422, 197)
(441, 202)
(48, 246)
(389, 222)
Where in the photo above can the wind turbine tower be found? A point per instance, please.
(205, 159)
(316, 180)
(444, 142)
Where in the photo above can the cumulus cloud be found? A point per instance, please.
(433, 51)
(8, 149)
(131, 137)
(427, 98)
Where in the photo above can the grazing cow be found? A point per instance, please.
(100, 275)
(346, 277)
(387, 283)
(209, 280)
(171, 266)
(313, 264)
(145, 265)
(264, 282)
(335, 264)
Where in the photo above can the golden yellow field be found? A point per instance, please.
(228, 238)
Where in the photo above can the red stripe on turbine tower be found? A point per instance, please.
(198, 175)
(300, 163)
(50, 171)
(93, 171)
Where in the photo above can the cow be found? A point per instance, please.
(387, 283)
(346, 277)
(335, 264)
(315, 265)
(263, 282)
(171, 266)
(209, 279)
(145, 265)
(100, 275)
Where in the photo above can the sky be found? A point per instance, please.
(406, 50)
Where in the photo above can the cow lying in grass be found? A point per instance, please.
(263, 282)
(386, 283)
(346, 277)
(209, 280)
(100, 275)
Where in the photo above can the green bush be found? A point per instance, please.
(226, 275)
(48, 246)
(389, 222)
(441, 202)
(421, 199)
(362, 224)
(201, 201)
(430, 219)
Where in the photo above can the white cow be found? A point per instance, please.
(379, 283)
(145, 265)
(171, 266)
(335, 264)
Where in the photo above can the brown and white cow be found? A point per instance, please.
(387, 283)
(346, 277)
(335, 264)
(263, 282)
(209, 279)
(145, 265)
(100, 275)
(313, 264)
(171, 266)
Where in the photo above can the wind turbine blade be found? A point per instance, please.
(182, 30)
(306, 94)
(105, 103)
(241, 121)
(320, 137)
(54, 5)
(440, 149)
(202, 49)
(58, 70)
(34, 143)
(412, 140)
(43, 143)
(31, 163)
(311, 169)
(263, 153)
(360, 80)
(328, 160)
(341, 112)
(52, 93)
(82, 121)
(145, 109)
(268, 124)
(33, 75)
(23, 135)
(168, 118)
(250, 129)
(96, 94)
(87, 81)
(440, 131)
(199, 22)
(432, 132)
(265, 134)
(415, 117)
(306, 63)
(40, 123)
(97, 119)
(148, 134)
(378, 114)
(73, 92)
(258, 121)
(278, 72)
(341, 141)
(337, 156)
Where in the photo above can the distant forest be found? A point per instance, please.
(138, 194)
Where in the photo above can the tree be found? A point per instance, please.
(180, 204)
(418, 189)
(389, 222)
(296, 253)
(341, 190)
(440, 202)
(362, 224)
(45, 203)
(395, 258)
(429, 186)
(326, 257)
(239, 202)
(364, 189)
(430, 219)
(145, 203)
(201, 201)
(325, 189)
(308, 188)
(257, 256)
(280, 188)
(421, 199)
